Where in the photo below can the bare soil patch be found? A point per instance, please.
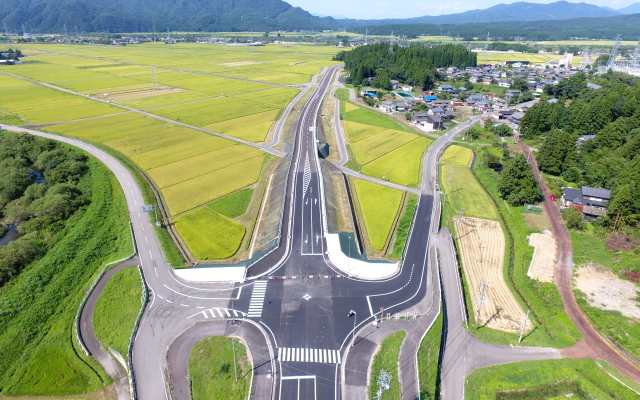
(543, 263)
(482, 248)
(107, 393)
(606, 291)
(620, 242)
(631, 275)
(239, 63)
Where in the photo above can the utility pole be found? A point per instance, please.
(524, 326)
(483, 291)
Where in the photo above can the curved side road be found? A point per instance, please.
(258, 351)
(564, 270)
(112, 367)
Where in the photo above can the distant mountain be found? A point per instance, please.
(44, 16)
(630, 9)
(520, 11)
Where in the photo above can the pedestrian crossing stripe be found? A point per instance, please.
(221, 313)
(297, 354)
(257, 299)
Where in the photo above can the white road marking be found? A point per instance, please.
(150, 254)
(296, 354)
(257, 299)
(184, 305)
(169, 301)
(145, 238)
(205, 314)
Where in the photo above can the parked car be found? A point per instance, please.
(553, 197)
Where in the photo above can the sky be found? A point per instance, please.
(379, 9)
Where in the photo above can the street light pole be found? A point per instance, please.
(353, 333)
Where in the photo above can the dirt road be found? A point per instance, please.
(564, 268)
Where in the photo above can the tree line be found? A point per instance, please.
(628, 26)
(415, 65)
(44, 187)
(611, 159)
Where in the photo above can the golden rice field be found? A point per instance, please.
(379, 206)
(387, 154)
(457, 155)
(237, 91)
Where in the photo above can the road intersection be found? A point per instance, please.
(312, 334)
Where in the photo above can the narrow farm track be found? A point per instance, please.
(564, 270)
(146, 114)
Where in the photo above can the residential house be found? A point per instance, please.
(407, 88)
(476, 79)
(511, 94)
(419, 118)
(515, 119)
(500, 104)
(476, 97)
(394, 84)
(583, 138)
(433, 123)
(436, 111)
(487, 80)
(389, 107)
(457, 102)
(368, 93)
(504, 114)
(593, 86)
(452, 70)
(446, 89)
(591, 202)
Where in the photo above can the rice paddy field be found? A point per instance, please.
(457, 155)
(236, 91)
(381, 146)
(378, 206)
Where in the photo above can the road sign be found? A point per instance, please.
(148, 207)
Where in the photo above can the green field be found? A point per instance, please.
(379, 206)
(197, 228)
(117, 308)
(457, 155)
(211, 370)
(233, 205)
(357, 131)
(553, 378)
(404, 226)
(463, 190)
(387, 359)
(401, 165)
(36, 324)
(374, 146)
(367, 116)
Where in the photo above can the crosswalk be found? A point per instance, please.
(309, 355)
(257, 299)
(221, 313)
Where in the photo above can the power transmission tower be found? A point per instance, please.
(486, 48)
(153, 75)
(614, 54)
(366, 34)
(76, 29)
(586, 58)
(168, 37)
(391, 43)
(636, 57)
(6, 31)
(483, 291)
(154, 33)
(66, 34)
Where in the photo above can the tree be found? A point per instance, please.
(517, 183)
(553, 151)
(491, 160)
(468, 85)
(573, 218)
(621, 209)
(382, 80)
(408, 116)
(520, 84)
(503, 130)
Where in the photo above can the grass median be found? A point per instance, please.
(116, 310)
(212, 373)
(387, 359)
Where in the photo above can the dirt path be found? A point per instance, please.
(564, 268)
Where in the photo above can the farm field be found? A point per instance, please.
(457, 155)
(464, 191)
(381, 146)
(543, 263)
(233, 205)
(379, 206)
(236, 91)
(117, 308)
(212, 372)
(481, 244)
(198, 226)
(552, 379)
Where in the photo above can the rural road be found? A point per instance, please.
(564, 273)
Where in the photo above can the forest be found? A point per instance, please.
(44, 187)
(611, 159)
(414, 65)
(628, 26)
